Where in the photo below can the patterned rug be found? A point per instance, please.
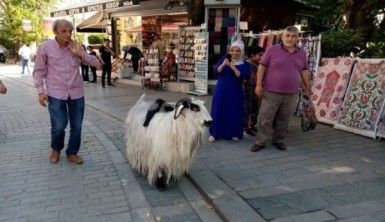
(364, 98)
(330, 84)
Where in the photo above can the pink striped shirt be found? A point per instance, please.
(56, 71)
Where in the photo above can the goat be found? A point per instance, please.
(165, 148)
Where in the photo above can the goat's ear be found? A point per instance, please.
(178, 110)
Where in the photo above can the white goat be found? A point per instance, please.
(165, 148)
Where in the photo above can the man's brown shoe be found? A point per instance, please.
(54, 157)
(74, 159)
(256, 148)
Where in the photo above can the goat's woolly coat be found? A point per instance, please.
(167, 146)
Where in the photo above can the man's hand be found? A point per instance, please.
(76, 49)
(307, 92)
(43, 98)
(258, 91)
(3, 89)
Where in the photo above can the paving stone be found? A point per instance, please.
(360, 219)
(359, 209)
(317, 216)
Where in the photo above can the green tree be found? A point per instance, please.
(356, 21)
(13, 12)
(357, 15)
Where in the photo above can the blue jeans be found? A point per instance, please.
(24, 63)
(60, 112)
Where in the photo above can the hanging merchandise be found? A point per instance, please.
(186, 62)
(151, 78)
(330, 84)
(221, 26)
(201, 65)
(312, 47)
(365, 98)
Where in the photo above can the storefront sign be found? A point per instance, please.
(96, 7)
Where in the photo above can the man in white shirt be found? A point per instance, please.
(2, 54)
(25, 55)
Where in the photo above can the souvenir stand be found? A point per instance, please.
(151, 78)
(201, 62)
(222, 19)
(186, 62)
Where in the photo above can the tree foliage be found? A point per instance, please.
(350, 25)
(13, 12)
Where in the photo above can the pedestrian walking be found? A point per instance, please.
(25, 56)
(136, 55)
(57, 79)
(91, 51)
(278, 79)
(254, 55)
(227, 108)
(84, 68)
(2, 54)
(105, 56)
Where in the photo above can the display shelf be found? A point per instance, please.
(151, 76)
(186, 59)
(201, 63)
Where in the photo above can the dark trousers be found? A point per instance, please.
(93, 70)
(135, 64)
(2, 58)
(60, 112)
(106, 70)
(274, 116)
(85, 72)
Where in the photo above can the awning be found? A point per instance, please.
(95, 23)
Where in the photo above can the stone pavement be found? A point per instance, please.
(104, 188)
(325, 175)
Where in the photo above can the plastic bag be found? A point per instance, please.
(308, 119)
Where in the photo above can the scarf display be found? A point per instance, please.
(329, 87)
(365, 98)
(221, 25)
(312, 47)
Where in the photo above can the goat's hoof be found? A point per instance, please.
(160, 184)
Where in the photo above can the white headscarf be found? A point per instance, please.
(236, 41)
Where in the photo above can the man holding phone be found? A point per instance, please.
(58, 81)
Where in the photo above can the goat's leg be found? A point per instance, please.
(160, 182)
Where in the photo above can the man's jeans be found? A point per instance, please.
(60, 112)
(25, 63)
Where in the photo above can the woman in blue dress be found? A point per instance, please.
(227, 108)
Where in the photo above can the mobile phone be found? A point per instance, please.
(228, 56)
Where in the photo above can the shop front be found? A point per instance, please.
(152, 27)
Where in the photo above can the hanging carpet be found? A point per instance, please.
(365, 97)
(330, 84)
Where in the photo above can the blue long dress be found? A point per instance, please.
(227, 108)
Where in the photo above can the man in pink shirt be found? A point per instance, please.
(281, 70)
(58, 81)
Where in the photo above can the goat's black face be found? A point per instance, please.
(199, 113)
(207, 123)
(194, 107)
